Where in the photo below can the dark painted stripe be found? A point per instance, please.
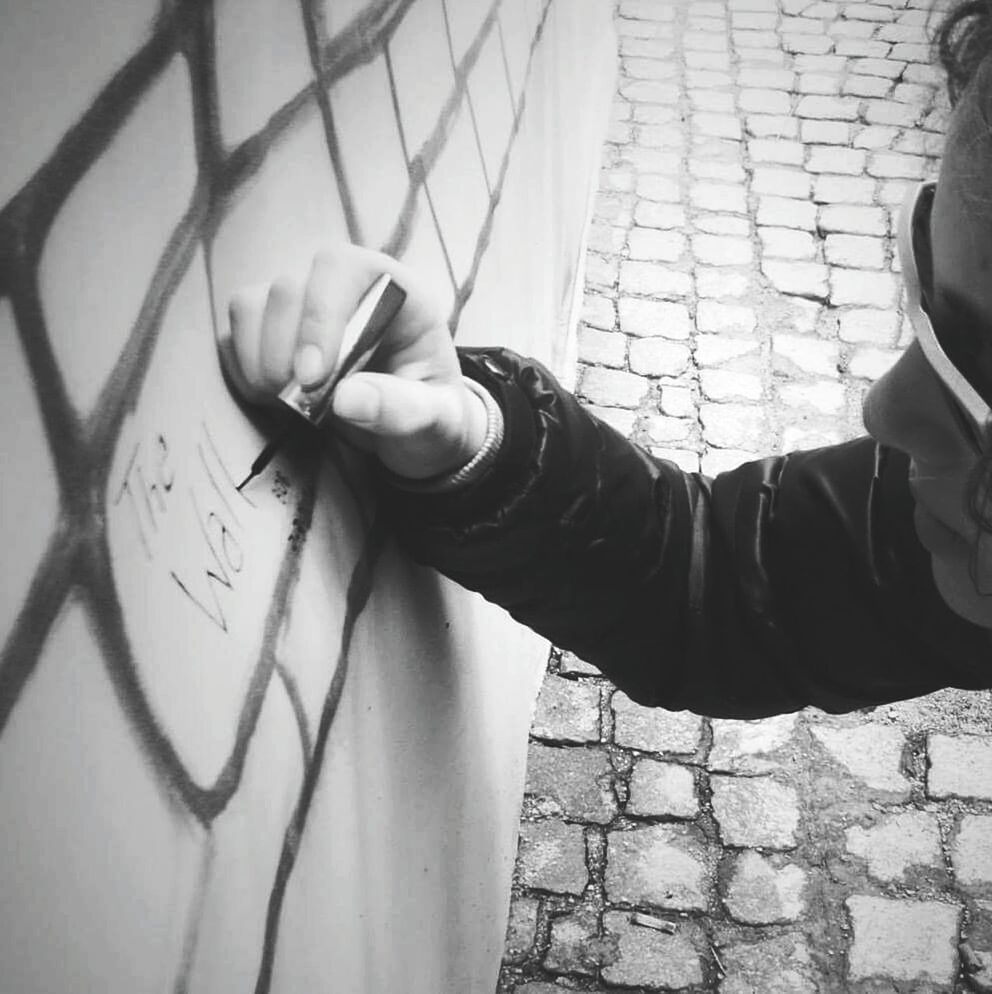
(359, 591)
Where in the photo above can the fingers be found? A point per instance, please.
(278, 337)
(334, 287)
(294, 330)
(241, 348)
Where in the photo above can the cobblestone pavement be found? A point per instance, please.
(742, 292)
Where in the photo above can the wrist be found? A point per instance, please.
(481, 442)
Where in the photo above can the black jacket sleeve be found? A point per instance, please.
(791, 581)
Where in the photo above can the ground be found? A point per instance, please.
(741, 294)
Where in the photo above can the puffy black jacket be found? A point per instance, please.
(791, 581)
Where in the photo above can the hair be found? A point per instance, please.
(963, 46)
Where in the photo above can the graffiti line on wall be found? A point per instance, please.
(139, 485)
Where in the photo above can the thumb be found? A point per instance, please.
(418, 428)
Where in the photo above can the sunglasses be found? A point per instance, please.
(969, 402)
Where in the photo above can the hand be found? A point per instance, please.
(413, 411)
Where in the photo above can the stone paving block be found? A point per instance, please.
(772, 125)
(677, 402)
(897, 843)
(819, 84)
(898, 166)
(888, 112)
(856, 220)
(601, 271)
(654, 729)
(870, 363)
(521, 928)
(781, 182)
(648, 318)
(743, 746)
(573, 783)
(971, 854)
(658, 357)
(831, 189)
(755, 812)
(712, 316)
(567, 710)
(825, 397)
(653, 279)
(552, 857)
(786, 213)
(787, 243)
(809, 355)
(661, 430)
(659, 188)
(575, 946)
(774, 102)
(960, 766)
(780, 150)
(781, 965)
(607, 348)
(658, 789)
(869, 325)
(599, 311)
(825, 132)
(723, 224)
(651, 214)
(722, 197)
(827, 108)
(732, 426)
(720, 250)
(714, 350)
(871, 752)
(725, 384)
(903, 940)
(867, 86)
(854, 251)
(613, 387)
(836, 159)
(866, 289)
(662, 866)
(716, 282)
(652, 244)
(648, 956)
(876, 136)
(804, 279)
(762, 890)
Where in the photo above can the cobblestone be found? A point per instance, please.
(756, 812)
(741, 293)
(658, 789)
(904, 940)
(553, 857)
(897, 843)
(960, 767)
(758, 891)
(661, 866)
(650, 730)
(571, 783)
(646, 956)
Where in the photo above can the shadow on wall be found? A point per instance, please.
(155, 157)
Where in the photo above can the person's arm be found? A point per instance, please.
(790, 581)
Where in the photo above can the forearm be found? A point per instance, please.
(763, 591)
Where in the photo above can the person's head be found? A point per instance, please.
(910, 408)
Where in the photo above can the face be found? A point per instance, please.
(909, 409)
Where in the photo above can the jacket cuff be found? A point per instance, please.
(506, 475)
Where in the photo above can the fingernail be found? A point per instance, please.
(308, 365)
(357, 401)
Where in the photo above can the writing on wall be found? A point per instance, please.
(175, 651)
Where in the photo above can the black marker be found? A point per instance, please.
(362, 336)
